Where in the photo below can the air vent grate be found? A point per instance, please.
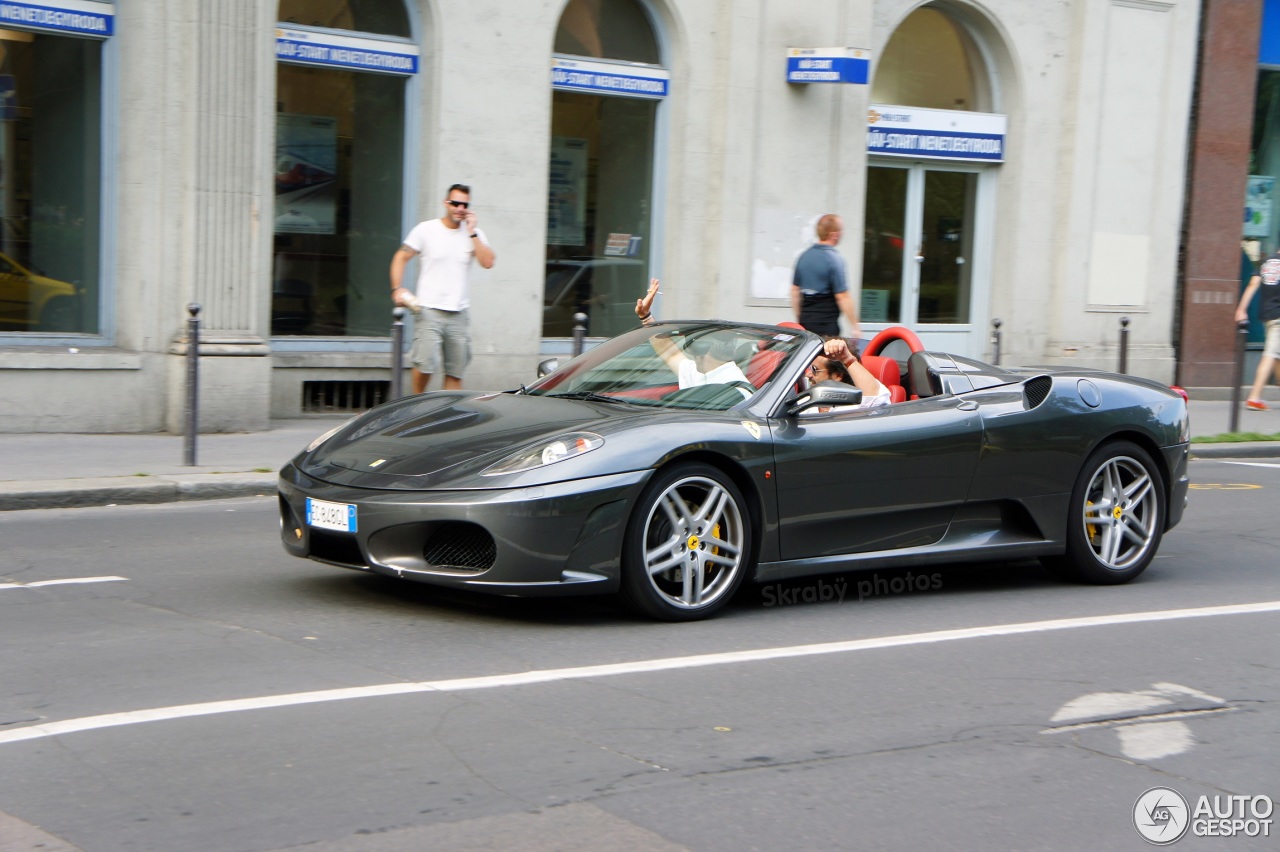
(461, 546)
(338, 397)
(1037, 390)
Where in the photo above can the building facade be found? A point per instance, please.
(264, 158)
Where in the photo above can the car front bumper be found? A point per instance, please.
(564, 538)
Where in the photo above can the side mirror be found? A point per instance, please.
(547, 367)
(825, 393)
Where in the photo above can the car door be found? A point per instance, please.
(873, 479)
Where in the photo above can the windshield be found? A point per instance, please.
(707, 366)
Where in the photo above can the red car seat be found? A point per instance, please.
(886, 370)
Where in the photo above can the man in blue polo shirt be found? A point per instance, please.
(819, 293)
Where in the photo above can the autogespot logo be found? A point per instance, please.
(1161, 816)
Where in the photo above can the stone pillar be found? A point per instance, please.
(1216, 190)
(226, 242)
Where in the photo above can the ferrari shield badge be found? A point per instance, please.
(753, 428)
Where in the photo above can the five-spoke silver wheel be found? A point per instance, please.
(689, 544)
(1117, 515)
(1120, 513)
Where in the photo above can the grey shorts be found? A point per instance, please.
(441, 337)
(1271, 349)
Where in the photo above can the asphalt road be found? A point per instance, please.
(1038, 737)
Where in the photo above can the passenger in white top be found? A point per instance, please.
(445, 248)
(711, 362)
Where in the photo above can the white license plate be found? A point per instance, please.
(331, 516)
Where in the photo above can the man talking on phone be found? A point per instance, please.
(445, 248)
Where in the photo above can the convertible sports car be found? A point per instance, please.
(607, 476)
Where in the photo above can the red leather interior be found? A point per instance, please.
(762, 366)
(886, 370)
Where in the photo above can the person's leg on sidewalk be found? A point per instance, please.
(425, 353)
(1269, 362)
(456, 335)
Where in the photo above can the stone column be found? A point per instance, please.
(227, 239)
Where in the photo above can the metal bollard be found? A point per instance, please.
(579, 333)
(1124, 344)
(1242, 335)
(397, 352)
(995, 341)
(192, 412)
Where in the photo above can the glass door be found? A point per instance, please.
(919, 257)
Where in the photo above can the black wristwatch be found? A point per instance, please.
(475, 236)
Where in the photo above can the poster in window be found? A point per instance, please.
(1257, 206)
(567, 195)
(306, 174)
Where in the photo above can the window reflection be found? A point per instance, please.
(50, 120)
(339, 153)
(598, 214)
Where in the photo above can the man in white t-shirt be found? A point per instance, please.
(445, 248)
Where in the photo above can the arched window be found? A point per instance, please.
(339, 152)
(931, 61)
(369, 16)
(607, 84)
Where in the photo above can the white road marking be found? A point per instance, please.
(68, 582)
(1155, 740)
(1253, 464)
(158, 714)
(1112, 704)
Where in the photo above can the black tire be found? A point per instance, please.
(1116, 518)
(690, 516)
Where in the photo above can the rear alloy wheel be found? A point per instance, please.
(1117, 516)
(688, 544)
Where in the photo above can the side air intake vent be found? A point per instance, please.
(1036, 390)
(461, 546)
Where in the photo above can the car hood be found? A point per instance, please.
(427, 441)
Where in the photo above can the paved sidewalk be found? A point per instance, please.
(64, 470)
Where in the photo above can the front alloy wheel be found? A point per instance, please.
(688, 544)
(1117, 515)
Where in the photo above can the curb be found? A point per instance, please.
(104, 491)
(1245, 450)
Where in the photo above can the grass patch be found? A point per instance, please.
(262, 470)
(1235, 438)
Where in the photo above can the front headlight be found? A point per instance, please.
(546, 452)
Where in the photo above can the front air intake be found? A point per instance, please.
(1036, 390)
(460, 546)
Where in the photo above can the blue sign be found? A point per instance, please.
(637, 81)
(937, 143)
(935, 133)
(828, 65)
(63, 16)
(335, 51)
